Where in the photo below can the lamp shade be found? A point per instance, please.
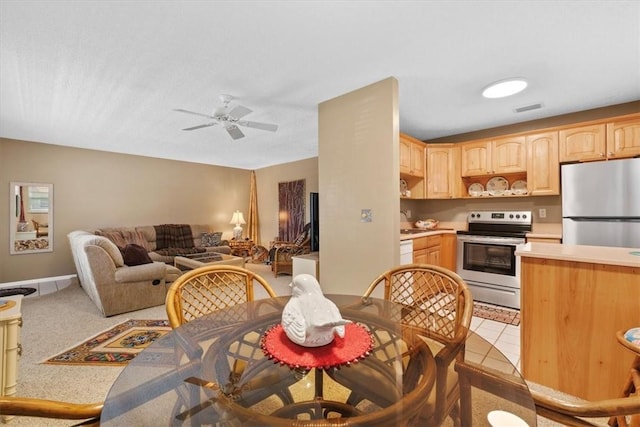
(237, 218)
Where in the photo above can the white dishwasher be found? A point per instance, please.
(406, 251)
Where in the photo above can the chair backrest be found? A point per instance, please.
(437, 298)
(210, 288)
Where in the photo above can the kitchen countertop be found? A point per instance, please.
(427, 233)
(582, 253)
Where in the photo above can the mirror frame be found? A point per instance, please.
(14, 220)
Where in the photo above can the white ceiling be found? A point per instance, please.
(107, 75)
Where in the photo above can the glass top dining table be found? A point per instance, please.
(215, 370)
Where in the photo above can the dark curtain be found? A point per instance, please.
(291, 209)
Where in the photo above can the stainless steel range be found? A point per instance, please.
(486, 255)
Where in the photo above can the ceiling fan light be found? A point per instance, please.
(503, 88)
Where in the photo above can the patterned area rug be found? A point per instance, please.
(115, 346)
(506, 315)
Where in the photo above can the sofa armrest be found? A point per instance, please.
(139, 273)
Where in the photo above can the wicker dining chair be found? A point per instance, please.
(438, 302)
(52, 409)
(209, 288)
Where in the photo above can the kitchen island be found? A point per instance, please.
(573, 300)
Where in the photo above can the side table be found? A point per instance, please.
(10, 347)
(241, 248)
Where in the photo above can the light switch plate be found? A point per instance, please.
(365, 215)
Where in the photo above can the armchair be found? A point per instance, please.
(42, 230)
(281, 253)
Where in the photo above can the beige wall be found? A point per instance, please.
(98, 189)
(267, 180)
(358, 166)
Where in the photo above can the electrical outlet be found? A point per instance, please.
(542, 213)
(365, 215)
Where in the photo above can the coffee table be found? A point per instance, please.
(190, 262)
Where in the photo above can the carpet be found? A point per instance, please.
(500, 314)
(114, 347)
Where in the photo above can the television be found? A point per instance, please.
(314, 213)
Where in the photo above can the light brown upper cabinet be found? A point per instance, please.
(475, 158)
(584, 143)
(499, 156)
(508, 155)
(411, 156)
(613, 140)
(443, 171)
(623, 138)
(543, 167)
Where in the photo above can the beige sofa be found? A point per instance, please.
(145, 235)
(113, 286)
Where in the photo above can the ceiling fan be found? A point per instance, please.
(229, 119)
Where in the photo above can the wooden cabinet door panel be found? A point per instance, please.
(508, 155)
(583, 143)
(405, 156)
(543, 167)
(475, 158)
(623, 139)
(417, 159)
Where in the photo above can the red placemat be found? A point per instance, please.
(356, 344)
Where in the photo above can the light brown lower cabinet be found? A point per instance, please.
(439, 249)
(570, 313)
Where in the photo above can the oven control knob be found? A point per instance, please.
(517, 216)
(511, 216)
(524, 216)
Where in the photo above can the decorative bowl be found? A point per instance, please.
(427, 224)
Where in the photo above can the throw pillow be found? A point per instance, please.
(211, 239)
(135, 255)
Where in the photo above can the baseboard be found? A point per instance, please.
(44, 285)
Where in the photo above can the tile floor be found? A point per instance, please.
(505, 338)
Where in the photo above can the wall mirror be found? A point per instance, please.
(31, 216)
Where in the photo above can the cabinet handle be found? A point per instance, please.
(611, 154)
(601, 154)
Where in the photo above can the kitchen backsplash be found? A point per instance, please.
(457, 210)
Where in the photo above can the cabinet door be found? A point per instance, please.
(417, 159)
(623, 139)
(475, 158)
(508, 155)
(543, 168)
(448, 251)
(442, 171)
(583, 143)
(433, 256)
(405, 156)
(420, 256)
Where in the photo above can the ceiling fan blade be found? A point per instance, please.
(193, 112)
(201, 126)
(263, 126)
(239, 111)
(234, 131)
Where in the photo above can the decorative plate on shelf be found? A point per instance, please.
(476, 189)
(403, 187)
(519, 187)
(497, 186)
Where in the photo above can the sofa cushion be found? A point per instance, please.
(135, 255)
(173, 236)
(211, 239)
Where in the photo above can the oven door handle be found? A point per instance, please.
(492, 240)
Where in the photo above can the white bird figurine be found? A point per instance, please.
(309, 319)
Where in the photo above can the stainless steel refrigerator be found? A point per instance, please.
(601, 203)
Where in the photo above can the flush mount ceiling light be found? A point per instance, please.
(503, 88)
